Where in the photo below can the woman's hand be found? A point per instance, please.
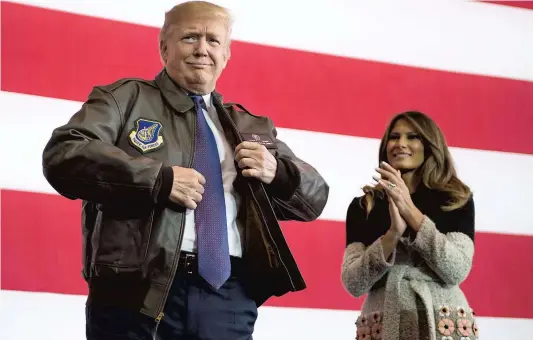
(392, 182)
(398, 224)
(395, 232)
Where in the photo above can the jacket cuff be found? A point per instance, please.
(424, 234)
(166, 180)
(378, 255)
(286, 180)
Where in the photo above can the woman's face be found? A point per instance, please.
(405, 150)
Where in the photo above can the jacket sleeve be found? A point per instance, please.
(298, 191)
(81, 161)
(449, 254)
(362, 266)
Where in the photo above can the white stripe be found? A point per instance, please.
(461, 36)
(44, 316)
(498, 179)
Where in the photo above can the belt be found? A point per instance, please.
(188, 262)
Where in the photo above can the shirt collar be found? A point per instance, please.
(207, 100)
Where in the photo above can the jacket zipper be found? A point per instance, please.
(236, 130)
(160, 313)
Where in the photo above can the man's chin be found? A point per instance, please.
(199, 89)
(196, 84)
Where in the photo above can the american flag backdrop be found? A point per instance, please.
(330, 73)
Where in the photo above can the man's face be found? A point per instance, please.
(196, 51)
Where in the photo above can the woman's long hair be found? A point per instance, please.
(436, 172)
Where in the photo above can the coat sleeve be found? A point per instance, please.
(81, 161)
(449, 254)
(298, 191)
(362, 266)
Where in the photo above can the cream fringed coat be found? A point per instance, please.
(415, 294)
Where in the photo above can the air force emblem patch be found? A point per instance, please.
(146, 136)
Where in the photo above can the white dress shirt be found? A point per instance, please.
(229, 172)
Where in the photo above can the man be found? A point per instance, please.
(181, 195)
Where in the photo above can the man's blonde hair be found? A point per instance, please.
(190, 9)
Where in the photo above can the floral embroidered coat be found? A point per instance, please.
(414, 294)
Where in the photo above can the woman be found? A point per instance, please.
(410, 239)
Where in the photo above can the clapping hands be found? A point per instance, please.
(401, 206)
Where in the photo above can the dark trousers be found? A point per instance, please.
(194, 311)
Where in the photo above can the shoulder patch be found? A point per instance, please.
(146, 136)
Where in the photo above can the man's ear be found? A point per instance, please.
(163, 51)
(227, 56)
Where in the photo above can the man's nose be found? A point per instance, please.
(201, 48)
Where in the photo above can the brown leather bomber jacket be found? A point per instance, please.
(132, 233)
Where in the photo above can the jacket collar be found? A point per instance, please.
(177, 97)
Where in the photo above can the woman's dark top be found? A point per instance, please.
(428, 201)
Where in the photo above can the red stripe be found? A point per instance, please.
(72, 53)
(40, 246)
(520, 4)
(41, 252)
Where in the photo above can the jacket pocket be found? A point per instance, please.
(122, 239)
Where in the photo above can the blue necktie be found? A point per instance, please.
(210, 214)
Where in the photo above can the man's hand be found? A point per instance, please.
(256, 161)
(187, 188)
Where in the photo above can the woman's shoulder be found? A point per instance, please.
(362, 226)
(439, 198)
(450, 216)
(361, 215)
(359, 205)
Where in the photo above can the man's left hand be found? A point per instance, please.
(256, 161)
